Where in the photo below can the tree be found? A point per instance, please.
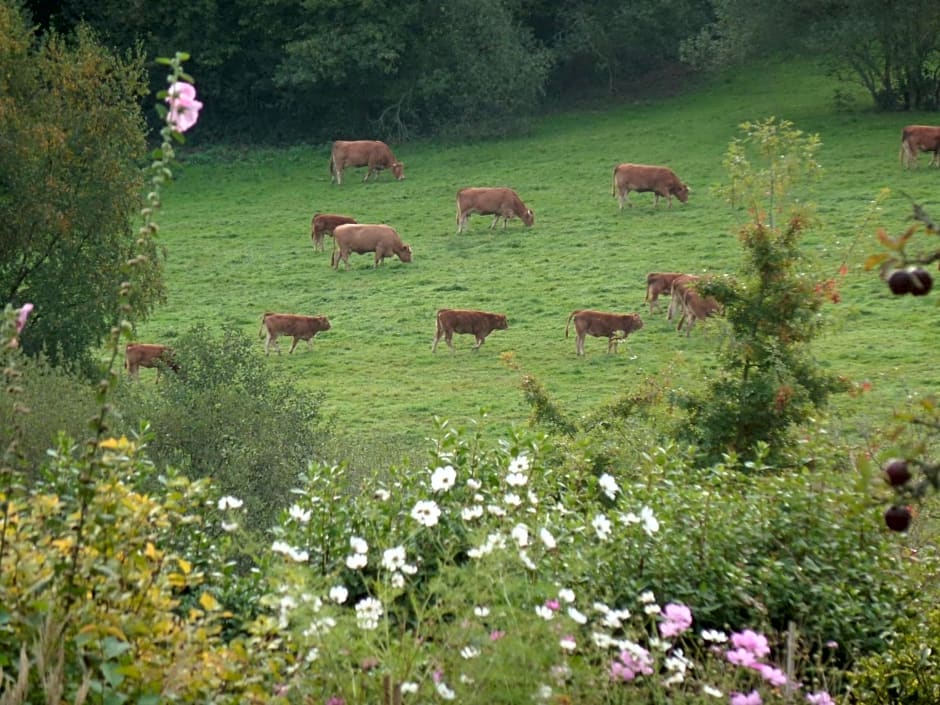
(891, 48)
(768, 380)
(71, 137)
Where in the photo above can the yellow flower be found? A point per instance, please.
(117, 444)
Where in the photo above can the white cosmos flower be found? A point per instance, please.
(519, 464)
(426, 513)
(609, 485)
(652, 609)
(229, 526)
(300, 514)
(714, 692)
(339, 593)
(397, 581)
(230, 502)
(566, 595)
(568, 643)
(526, 561)
(469, 652)
(650, 522)
(544, 612)
(472, 512)
(312, 655)
(481, 611)
(601, 526)
(409, 569)
(382, 495)
(443, 478)
(298, 555)
(444, 691)
(602, 640)
(496, 510)
(517, 479)
(647, 597)
(474, 484)
(358, 545)
(393, 558)
(714, 635)
(511, 499)
(409, 687)
(577, 616)
(547, 539)
(356, 561)
(368, 612)
(520, 534)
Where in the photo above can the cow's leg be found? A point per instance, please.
(449, 339)
(479, 342)
(624, 197)
(495, 220)
(579, 343)
(437, 337)
(272, 338)
(293, 345)
(611, 344)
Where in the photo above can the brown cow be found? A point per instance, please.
(499, 202)
(658, 284)
(371, 153)
(641, 178)
(291, 324)
(152, 355)
(478, 323)
(362, 238)
(692, 306)
(600, 324)
(678, 284)
(324, 224)
(919, 138)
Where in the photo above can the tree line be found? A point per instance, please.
(289, 70)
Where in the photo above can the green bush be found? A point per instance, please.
(227, 416)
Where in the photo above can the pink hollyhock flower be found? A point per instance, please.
(676, 619)
(184, 108)
(752, 641)
(752, 698)
(821, 698)
(22, 315)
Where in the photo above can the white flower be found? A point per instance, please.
(714, 635)
(382, 495)
(356, 561)
(469, 652)
(229, 526)
(547, 539)
(566, 595)
(393, 558)
(602, 640)
(229, 502)
(409, 687)
(358, 545)
(577, 616)
(312, 655)
(647, 597)
(409, 569)
(544, 692)
(443, 478)
(368, 612)
(544, 612)
(533, 498)
(526, 561)
(568, 643)
(520, 534)
(652, 609)
(481, 611)
(474, 484)
(444, 691)
(496, 510)
(299, 514)
(519, 464)
(609, 485)
(464, 678)
(601, 525)
(511, 499)
(426, 513)
(339, 593)
(714, 692)
(517, 479)
(281, 547)
(471, 513)
(650, 523)
(397, 581)
(298, 556)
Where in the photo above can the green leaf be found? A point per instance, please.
(114, 647)
(112, 673)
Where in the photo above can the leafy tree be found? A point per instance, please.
(769, 380)
(891, 48)
(71, 137)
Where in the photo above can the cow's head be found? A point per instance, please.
(398, 169)
(404, 254)
(528, 217)
(681, 192)
(325, 323)
(500, 322)
(632, 322)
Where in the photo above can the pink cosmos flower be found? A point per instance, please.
(184, 108)
(676, 619)
(553, 605)
(496, 635)
(820, 698)
(22, 315)
(752, 698)
(628, 665)
(741, 657)
(772, 675)
(752, 641)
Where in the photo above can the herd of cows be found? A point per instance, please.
(382, 241)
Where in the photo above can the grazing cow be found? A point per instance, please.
(678, 284)
(371, 153)
(137, 355)
(478, 323)
(600, 324)
(361, 238)
(293, 325)
(324, 224)
(691, 304)
(919, 138)
(658, 284)
(499, 202)
(641, 178)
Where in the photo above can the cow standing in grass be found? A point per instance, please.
(603, 325)
(152, 355)
(642, 178)
(659, 284)
(292, 325)
(499, 202)
(691, 305)
(373, 154)
(362, 238)
(919, 138)
(324, 224)
(477, 323)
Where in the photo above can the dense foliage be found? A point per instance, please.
(71, 135)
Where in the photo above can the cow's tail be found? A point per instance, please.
(569, 322)
(261, 330)
(613, 183)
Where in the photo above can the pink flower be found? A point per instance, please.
(676, 619)
(751, 641)
(741, 657)
(553, 605)
(22, 315)
(184, 108)
(496, 635)
(336, 700)
(821, 698)
(752, 698)
(772, 675)
(630, 665)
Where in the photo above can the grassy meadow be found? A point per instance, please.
(236, 226)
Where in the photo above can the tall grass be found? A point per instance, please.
(237, 230)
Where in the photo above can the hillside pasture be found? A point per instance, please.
(237, 231)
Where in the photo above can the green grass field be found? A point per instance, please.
(237, 230)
